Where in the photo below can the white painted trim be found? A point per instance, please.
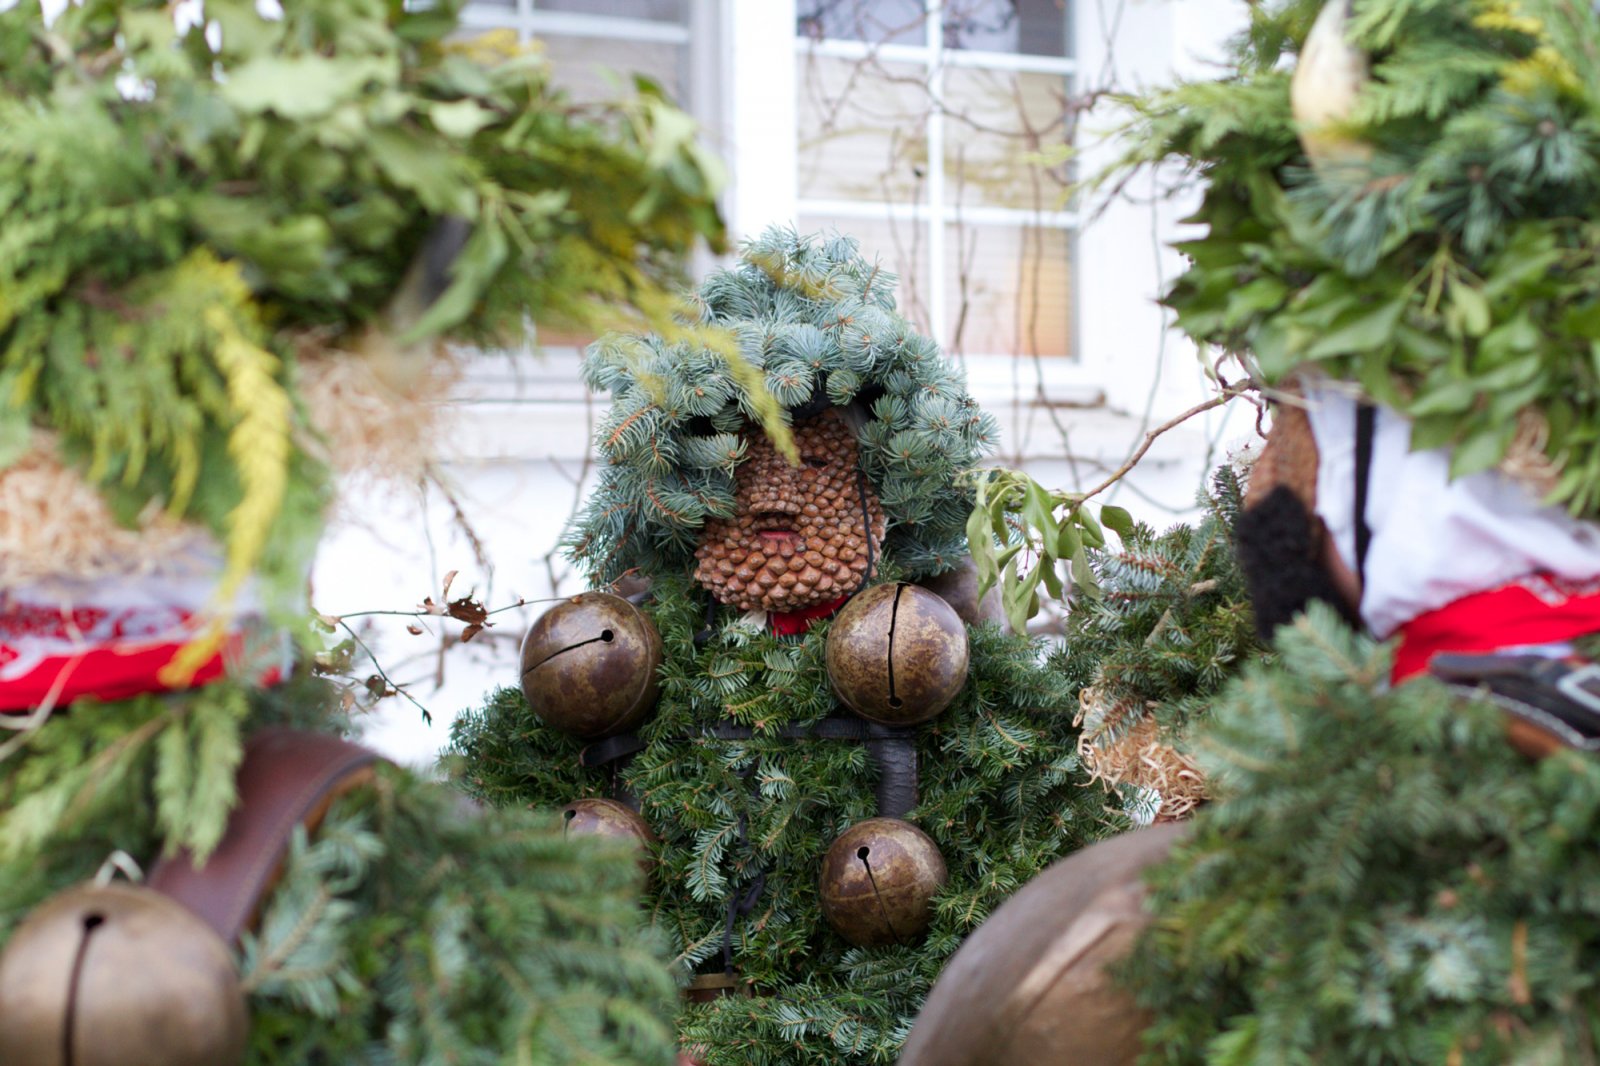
(938, 305)
(763, 115)
(571, 24)
(977, 215)
(843, 48)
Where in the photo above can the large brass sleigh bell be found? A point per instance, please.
(589, 665)
(878, 881)
(119, 975)
(1031, 986)
(897, 654)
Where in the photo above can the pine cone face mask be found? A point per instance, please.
(799, 535)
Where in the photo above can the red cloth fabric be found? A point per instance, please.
(789, 623)
(1533, 610)
(111, 673)
(113, 651)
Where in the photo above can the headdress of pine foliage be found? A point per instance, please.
(185, 212)
(811, 316)
(743, 823)
(1450, 265)
(1381, 878)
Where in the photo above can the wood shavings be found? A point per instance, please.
(365, 426)
(1116, 752)
(52, 522)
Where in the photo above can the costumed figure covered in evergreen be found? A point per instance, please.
(233, 251)
(835, 761)
(1399, 861)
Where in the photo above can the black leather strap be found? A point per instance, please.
(1560, 697)
(1366, 429)
(893, 748)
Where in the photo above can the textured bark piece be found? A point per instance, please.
(136, 977)
(589, 665)
(878, 882)
(815, 547)
(1289, 458)
(897, 654)
(1030, 987)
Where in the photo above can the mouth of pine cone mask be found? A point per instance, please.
(798, 536)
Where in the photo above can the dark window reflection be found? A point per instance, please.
(1026, 27)
(876, 21)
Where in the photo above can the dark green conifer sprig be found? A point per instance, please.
(1174, 622)
(1443, 256)
(814, 317)
(189, 213)
(1000, 792)
(1381, 879)
(408, 931)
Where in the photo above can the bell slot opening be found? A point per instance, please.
(883, 908)
(894, 617)
(606, 637)
(92, 922)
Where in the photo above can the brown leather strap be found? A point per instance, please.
(287, 779)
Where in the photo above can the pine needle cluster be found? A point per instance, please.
(1382, 879)
(1172, 626)
(812, 318)
(188, 211)
(408, 930)
(744, 823)
(1445, 257)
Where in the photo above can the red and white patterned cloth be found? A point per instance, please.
(110, 639)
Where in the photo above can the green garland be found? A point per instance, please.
(182, 223)
(1382, 879)
(812, 316)
(1448, 263)
(1172, 626)
(1000, 792)
(407, 931)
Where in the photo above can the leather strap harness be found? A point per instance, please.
(287, 779)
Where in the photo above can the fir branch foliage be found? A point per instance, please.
(1172, 626)
(1451, 275)
(170, 251)
(1382, 878)
(81, 767)
(1001, 793)
(408, 930)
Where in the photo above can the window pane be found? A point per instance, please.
(1008, 290)
(994, 121)
(878, 21)
(863, 129)
(1029, 27)
(900, 246)
(602, 68)
(654, 10)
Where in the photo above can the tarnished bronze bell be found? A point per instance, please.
(119, 975)
(589, 665)
(608, 818)
(878, 882)
(1030, 987)
(897, 654)
(959, 588)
